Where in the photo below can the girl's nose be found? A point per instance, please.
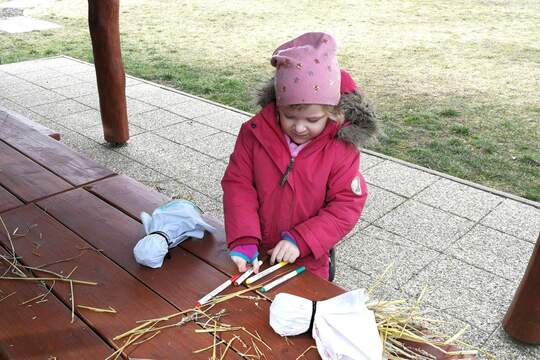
(299, 128)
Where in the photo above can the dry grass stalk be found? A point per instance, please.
(220, 329)
(168, 317)
(245, 354)
(8, 295)
(150, 326)
(81, 253)
(257, 338)
(132, 339)
(257, 350)
(71, 272)
(13, 253)
(148, 338)
(215, 317)
(214, 346)
(130, 332)
(32, 299)
(288, 341)
(43, 271)
(460, 333)
(60, 261)
(41, 297)
(227, 347)
(306, 351)
(84, 282)
(207, 348)
(99, 310)
(380, 279)
(72, 302)
(398, 323)
(222, 298)
(254, 298)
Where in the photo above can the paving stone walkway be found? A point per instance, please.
(13, 21)
(467, 244)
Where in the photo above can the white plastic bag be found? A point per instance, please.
(343, 327)
(168, 226)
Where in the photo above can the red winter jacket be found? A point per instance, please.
(319, 203)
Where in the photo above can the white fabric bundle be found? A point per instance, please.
(169, 225)
(343, 327)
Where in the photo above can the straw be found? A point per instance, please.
(98, 310)
(207, 348)
(72, 302)
(227, 347)
(49, 279)
(306, 351)
(8, 295)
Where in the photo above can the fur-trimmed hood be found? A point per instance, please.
(361, 123)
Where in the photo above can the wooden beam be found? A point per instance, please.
(103, 21)
(522, 320)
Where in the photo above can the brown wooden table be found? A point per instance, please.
(59, 205)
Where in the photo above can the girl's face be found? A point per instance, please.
(304, 123)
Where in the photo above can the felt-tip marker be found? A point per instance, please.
(266, 272)
(282, 279)
(216, 291)
(245, 275)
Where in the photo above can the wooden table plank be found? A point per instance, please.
(128, 195)
(116, 288)
(39, 331)
(8, 200)
(51, 154)
(31, 124)
(23, 177)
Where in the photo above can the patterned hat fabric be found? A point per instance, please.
(307, 71)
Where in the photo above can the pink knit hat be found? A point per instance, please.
(307, 71)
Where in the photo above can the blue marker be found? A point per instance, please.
(282, 279)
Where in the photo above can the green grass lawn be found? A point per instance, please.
(456, 84)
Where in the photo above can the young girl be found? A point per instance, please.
(292, 188)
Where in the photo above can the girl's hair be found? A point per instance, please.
(334, 112)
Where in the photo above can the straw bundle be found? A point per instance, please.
(404, 334)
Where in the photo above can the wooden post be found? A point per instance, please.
(522, 320)
(103, 20)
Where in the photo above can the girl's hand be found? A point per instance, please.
(242, 255)
(242, 265)
(284, 251)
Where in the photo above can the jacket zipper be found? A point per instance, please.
(286, 175)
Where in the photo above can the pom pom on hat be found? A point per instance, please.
(307, 71)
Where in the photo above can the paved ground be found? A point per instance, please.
(12, 19)
(468, 244)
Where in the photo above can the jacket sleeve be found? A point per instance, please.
(240, 202)
(345, 198)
